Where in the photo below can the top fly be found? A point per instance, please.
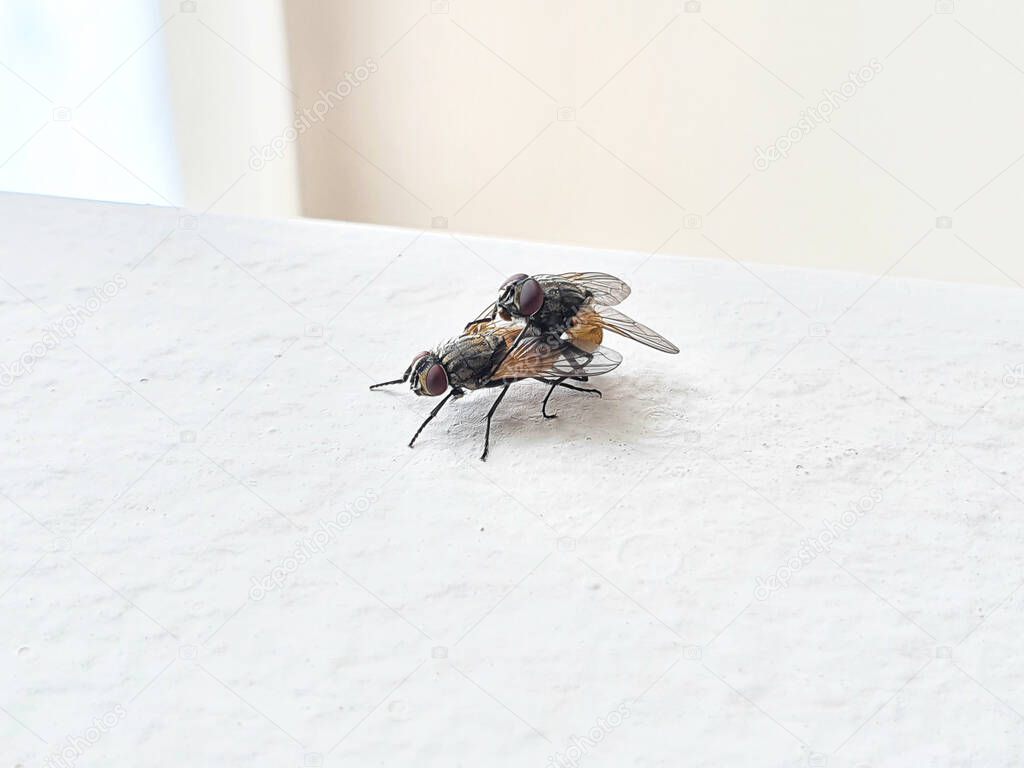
(576, 302)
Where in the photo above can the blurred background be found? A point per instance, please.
(870, 136)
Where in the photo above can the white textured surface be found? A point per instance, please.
(605, 558)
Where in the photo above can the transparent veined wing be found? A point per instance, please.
(546, 357)
(576, 361)
(608, 290)
(613, 320)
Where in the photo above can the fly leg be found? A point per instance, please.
(487, 434)
(544, 405)
(581, 389)
(485, 317)
(433, 413)
(500, 357)
(561, 383)
(578, 359)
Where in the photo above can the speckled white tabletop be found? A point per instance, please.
(798, 542)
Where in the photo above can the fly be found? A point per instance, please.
(580, 303)
(497, 354)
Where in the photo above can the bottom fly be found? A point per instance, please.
(495, 354)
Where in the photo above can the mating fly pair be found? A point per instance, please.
(546, 327)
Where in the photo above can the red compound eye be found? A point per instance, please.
(418, 357)
(531, 297)
(514, 279)
(436, 380)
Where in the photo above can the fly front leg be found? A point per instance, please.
(500, 356)
(490, 413)
(433, 413)
(578, 359)
(487, 316)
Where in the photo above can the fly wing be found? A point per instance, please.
(545, 357)
(608, 290)
(615, 321)
(577, 362)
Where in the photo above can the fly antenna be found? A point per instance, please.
(405, 378)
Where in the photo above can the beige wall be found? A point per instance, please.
(669, 102)
(230, 91)
(616, 124)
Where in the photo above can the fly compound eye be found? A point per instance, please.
(531, 297)
(436, 380)
(418, 357)
(514, 279)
